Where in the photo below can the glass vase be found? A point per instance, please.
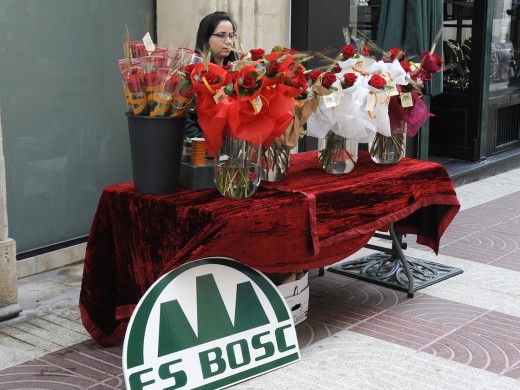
(337, 154)
(389, 150)
(237, 167)
(275, 162)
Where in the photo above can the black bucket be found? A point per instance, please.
(156, 148)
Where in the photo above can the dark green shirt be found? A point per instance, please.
(192, 128)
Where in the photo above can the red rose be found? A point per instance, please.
(314, 75)
(299, 69)
(211, 78)
(431, 62)
(377, 81)
(395, 52)
(249, 82)
(188, 69)
(422, 75)
(364, 51)
(336, 69)
(273, 68)
(256, 54)
(151, 79)
(134, 82)
(349, 79)
(290, 51)
(406, 66)
(348, 51)
(328, 79)
(231, 77)
(297, 80)
(170, 84)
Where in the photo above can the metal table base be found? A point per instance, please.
(393, 269)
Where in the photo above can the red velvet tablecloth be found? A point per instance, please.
(310, 220)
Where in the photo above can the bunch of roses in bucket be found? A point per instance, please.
(353, 107)
(248, 104)
(152, 79)
(406, 110)
(253, 97)
(372, 98)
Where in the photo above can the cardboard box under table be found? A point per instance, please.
(296, 294)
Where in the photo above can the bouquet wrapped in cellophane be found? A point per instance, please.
(370, 98)
(152, 79)
(251, 100)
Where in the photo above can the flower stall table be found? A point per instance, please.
(310, 220)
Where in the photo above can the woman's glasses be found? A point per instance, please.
(224, 36)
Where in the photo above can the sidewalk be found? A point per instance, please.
(461, 333)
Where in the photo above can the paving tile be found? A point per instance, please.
(312, 331)
(402, 330)
(480, 247)
(494, 278)
(486, 352)
(514, 372)
(509, 261)
(70, 322)
(496, 325)
(50, 331)
(83, 364)
(30, 339)
(117, 382)
(451, 315)
(14, 351)
(41, 375)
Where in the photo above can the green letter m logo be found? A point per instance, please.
(212, 317)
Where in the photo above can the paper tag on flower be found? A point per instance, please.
(371, 102)
(148, 43)
(391, 88)
(406, 99)
(219, 95)
(257, 104)
(413, 66)
(330, 100)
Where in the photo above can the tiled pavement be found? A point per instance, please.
(462, 333)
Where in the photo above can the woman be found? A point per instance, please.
(216, 34)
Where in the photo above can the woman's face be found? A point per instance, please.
(220, 48)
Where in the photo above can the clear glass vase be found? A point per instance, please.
(389, 150)
(275, 162)
(337, 154)
(237, 167)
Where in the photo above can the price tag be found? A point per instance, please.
(330, 100)
(257, 104)
(392, 90)
(148, 43)
(371, 102)
(406, 99)
(219, 95)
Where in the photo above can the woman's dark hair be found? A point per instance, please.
(206, 28)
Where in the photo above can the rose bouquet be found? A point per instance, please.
(355, 107)
(375, 101)
(406, 110)
(152, 79)
(241, 109)
(291, 81)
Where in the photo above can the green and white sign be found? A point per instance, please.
(208, 324)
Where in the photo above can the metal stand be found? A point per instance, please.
(393, 269)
